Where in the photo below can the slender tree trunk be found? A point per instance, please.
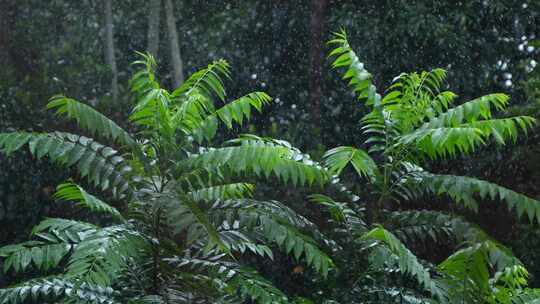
(176, 59)
(316, 58)
(110, 59)
(153, 27)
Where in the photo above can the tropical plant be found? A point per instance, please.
(176, 215)
(415, 124)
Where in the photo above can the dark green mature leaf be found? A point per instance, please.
(90, 119)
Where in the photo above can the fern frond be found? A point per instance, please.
(240, 109)
(213, 235)
(68, 231)
(260, 159)
(235, 279)
(236, 111)
(465, 138)
(100, 164)
(40, 255)
(253, 286)
(89, 119)
(423, 225)
(292, 241)
(223, 192)
(144, 79)
(337, 159)
(435, 226)
(463, 189)
(73, 192)
(504, 129)
(267, 221)
(408, 263)
(474, 110)
(359, 78)
(196, 178)
(57, 288)
(151, 112)
(207, 81)
(277, 223)
(445, 141)
(284, 214)
(463, 128)
(101, 256)
(191, 111)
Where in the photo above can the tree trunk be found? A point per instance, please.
(110, 59)
(176, 59)
(316, 58)
(153, 27)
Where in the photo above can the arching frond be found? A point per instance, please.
(236, 111)
(504, 129)
(261, 159)
(235, 279)
(197, 178)
(465, 127)
(144, 79)
(67, 231)
(207, 81)
(101, 256)
(463, 189)
(73, 192)
(223, 192)
(474, 110)
(422, 225)
(465, 138)
(240, 109)
(100, 164)
(408, 263)
(359, 78)
(445, 141)
(435, 226)
(89, 119)
(40, 255)
(190, 112)
(57, 288)
(292, 241)
(275, 222)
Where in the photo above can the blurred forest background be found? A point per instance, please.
(83, 49)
